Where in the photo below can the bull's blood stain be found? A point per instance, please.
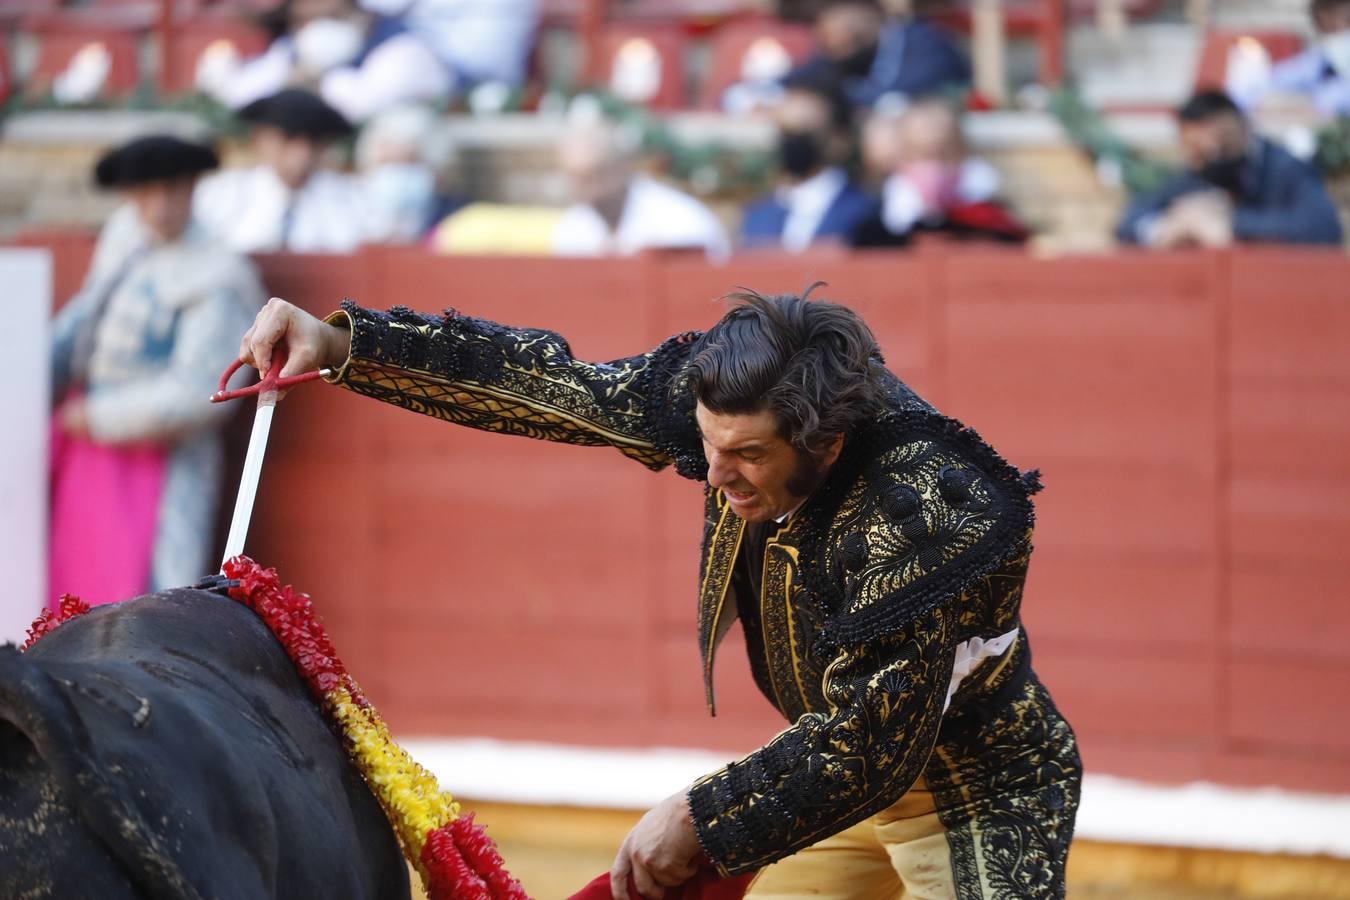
(455, 857)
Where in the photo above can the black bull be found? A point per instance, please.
(166, 748)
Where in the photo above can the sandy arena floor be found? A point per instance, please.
(555, 851)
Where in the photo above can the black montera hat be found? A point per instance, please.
(157, 157)
(299, 113)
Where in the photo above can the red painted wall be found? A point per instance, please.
(1190, 414)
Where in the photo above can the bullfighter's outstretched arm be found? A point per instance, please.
(522, 381)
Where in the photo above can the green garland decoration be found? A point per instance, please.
(1332, 157)
(218, 118)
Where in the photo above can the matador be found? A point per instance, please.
(873, 549)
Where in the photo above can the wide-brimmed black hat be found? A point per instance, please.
(299, 113)
(158, 157)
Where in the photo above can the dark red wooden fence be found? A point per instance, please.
(1190, 413)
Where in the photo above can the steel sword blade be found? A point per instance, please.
(248, 481)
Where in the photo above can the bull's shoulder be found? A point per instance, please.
(174, 731)
(199, 628)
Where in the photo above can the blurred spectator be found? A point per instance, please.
(288, 201)
(872, 56)
(359, 62)
(816, 199)
(1321, 74)
(136, 448)
(479, 41)
(763, 69)
(929, 180)
(404, 160)
(1237, 187)
(619, 210)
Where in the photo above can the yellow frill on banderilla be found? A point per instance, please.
(410, 795)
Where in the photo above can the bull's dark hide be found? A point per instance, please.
(165, 747)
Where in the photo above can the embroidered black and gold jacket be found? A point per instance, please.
(918, 541)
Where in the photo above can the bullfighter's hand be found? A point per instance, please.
(660, 852)
(310, 342)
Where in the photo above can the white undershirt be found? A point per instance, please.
(969, 654)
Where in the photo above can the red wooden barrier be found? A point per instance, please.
(1190, 413)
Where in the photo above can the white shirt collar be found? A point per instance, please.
(790, 513)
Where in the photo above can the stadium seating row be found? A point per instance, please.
(645, 62)
(644, 53)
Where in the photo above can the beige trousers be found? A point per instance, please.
(899, 852)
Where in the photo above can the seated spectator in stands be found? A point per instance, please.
(359, 62)
(136, 449)
(619, 210)
(764, 67)
(930, 182)
(873, 57)
(289, 201)
(404, 158)
(1321, 74)
(479, 41)
(1237, 187)
(816, 200)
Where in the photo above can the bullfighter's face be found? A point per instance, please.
(761, 474)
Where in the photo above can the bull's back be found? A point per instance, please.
(168, 745)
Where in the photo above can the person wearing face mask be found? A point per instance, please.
(1321, 74)
(136, 450)
(289, 201)
(1237, 187)
(929, 181)
(816, 200)
(402, 157)
(359, 62)
(872, 56)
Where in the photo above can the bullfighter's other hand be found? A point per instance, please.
(660, 852)
(310, 342)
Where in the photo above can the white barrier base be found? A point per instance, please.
(1114, 810)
